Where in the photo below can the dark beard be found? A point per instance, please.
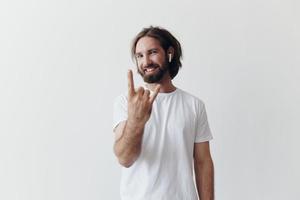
(154, 78)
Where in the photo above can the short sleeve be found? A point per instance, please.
(119, 110)
(203, 132)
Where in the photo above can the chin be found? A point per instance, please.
(153, 78)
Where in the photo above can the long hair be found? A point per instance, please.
(166, 40)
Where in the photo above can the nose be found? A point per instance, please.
(147, 61)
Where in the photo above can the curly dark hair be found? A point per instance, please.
(166, 40)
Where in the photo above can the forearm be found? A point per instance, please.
(128, 147)
(204, 173)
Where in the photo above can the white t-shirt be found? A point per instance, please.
(164, 169)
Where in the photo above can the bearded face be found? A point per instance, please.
(151, 60)
(153, 72)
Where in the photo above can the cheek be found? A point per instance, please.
(139, 67)
(137, 64)
(158, 60)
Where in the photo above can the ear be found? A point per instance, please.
(170, 51)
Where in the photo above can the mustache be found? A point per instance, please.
(151, 66)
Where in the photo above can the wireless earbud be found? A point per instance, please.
(170, 57)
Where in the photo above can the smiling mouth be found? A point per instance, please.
(150, 69)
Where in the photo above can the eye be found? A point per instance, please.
(138, 56)
(153, 51)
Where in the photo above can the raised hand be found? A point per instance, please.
(139, 102)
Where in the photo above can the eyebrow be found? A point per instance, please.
(152, 49)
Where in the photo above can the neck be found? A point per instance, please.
(166, 85)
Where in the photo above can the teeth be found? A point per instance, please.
(150, 69)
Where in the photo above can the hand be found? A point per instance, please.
(139, 103)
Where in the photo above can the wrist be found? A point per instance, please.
(135, 124)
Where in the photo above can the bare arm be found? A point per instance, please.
(128, 143)
(204, 171)
(129, 133)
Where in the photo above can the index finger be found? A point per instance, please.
(152, 98)
(130, 83)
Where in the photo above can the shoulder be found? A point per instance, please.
(190, 98)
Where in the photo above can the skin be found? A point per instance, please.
(129, 133)
(204, 171)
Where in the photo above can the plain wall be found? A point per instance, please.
(63, 62)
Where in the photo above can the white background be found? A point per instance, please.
(64, 61)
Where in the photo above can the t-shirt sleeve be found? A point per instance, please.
(203, 132)
(119, 110)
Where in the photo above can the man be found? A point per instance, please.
(161, 131)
